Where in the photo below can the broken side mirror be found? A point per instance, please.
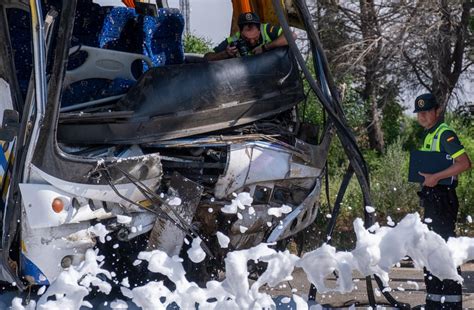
(10, 125)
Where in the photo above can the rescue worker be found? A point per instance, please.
(253, 38)
(440, 202)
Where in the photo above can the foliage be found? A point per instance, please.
(392, 120)
(392, 195)
(196, 44)
(466, 180)
(432, 32)
(354, 108)
(387, 46)
(471, 38)
(311, 111)
(384, 63)
(412, 133)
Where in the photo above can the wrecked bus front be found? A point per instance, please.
(122, 139)
(38, 175)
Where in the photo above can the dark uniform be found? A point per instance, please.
(440, 205)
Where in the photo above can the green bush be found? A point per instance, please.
(391, 193)
(196, 44)
(465, 191)
(411, 134)
(392, 121)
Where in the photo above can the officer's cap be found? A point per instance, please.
(248, 18)
(425, 102)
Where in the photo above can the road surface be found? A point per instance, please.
(407, 286)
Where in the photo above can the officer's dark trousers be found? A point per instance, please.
(441, 206)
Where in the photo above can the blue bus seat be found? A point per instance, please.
(160, 37)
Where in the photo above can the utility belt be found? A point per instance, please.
(427, 192)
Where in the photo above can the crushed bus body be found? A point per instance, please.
(146, 144)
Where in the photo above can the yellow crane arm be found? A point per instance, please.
(265, 10)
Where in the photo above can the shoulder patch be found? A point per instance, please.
(450, 139)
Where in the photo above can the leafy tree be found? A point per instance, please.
(361, 43)
(386, 45)
(471, 38)
(392, 120)
(435, 45)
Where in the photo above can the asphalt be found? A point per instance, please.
(407, 286)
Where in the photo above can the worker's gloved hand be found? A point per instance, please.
(231, 51)
(257, 50)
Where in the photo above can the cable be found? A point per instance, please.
(153, 197)
(332, 223)
(333, 106)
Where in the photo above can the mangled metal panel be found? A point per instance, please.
(165, 235)
(256, 162)
(218, 95)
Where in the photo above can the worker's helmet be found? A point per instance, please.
(248, 18)
(425, 102)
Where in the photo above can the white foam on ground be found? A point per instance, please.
(369, 209)
(375, 253)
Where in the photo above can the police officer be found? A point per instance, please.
(252, 39)
(440, 202)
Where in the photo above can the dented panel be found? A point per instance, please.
(38, 200)
(255, 162)
(97, 191)
(119, 169)
(47, 248)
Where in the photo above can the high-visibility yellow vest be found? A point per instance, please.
(263, 31)
(432, 140)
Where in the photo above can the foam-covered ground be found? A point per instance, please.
(377, 250)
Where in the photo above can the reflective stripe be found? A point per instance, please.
(263, 31)
(432, 140)
(435, 146)
(444, 298)
(458, 153)
(265, 35)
